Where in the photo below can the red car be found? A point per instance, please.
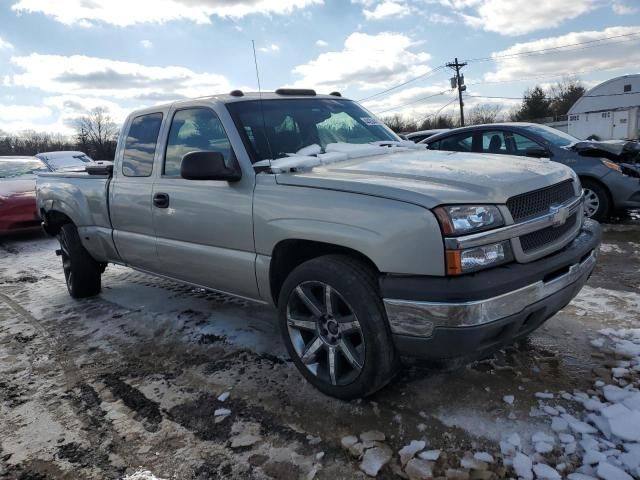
(18, 193)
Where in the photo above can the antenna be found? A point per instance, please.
(264, 122)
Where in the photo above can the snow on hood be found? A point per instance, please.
(312, 156)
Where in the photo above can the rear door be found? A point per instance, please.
(131, 191)
(204, 228)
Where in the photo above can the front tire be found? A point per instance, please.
(81, 272)
(597, 204)
(335, 327)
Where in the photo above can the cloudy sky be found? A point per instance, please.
(60, 58)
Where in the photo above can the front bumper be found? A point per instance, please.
(443, 317)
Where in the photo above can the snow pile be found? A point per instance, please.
(141, 475)
(312, 156)
(618, 307)
(610, 248)
(599, 440)
(412, 461)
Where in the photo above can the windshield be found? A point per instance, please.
(551, 135)
(291, 124)
(16, 168)
(71, 161)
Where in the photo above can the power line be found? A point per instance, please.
(590, 43)
(424, 75)
(527, 98)
(441, 108)
(549, 49)
(412, 102)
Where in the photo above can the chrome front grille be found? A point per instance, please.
(536, 203)
(535, 240)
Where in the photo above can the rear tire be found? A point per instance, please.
(335, 327)
(597, 201)
(81, 272)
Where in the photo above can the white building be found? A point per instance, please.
(608, 111)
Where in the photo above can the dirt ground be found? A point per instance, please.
(129, 381)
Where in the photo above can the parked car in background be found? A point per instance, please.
(421, 135)
(65, 160)
(608, 184)
(370, 247)
(18, 210)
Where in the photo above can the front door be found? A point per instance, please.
(204, 228)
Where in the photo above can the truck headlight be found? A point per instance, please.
(461, 219)
(478, 258)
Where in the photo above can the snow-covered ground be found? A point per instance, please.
(153, 380)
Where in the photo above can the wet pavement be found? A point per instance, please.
(130, 380)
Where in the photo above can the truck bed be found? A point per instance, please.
(84, 199)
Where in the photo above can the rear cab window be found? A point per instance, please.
(140, 145)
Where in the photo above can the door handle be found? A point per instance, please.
(161, 200)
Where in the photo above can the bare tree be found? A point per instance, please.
(30, 142)
(484, 113)
(97, 134)
(400, 124)
(439, 121)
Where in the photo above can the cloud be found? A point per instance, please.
(615, 53)
(92, 76)
(68, 108)
(125, 12)
(621, 8)
(273, 48)
(22, 117)
(146, 43)
(321, 43)
(387, 9)
(418, 103)
(518, 17)
(365, 62)
(4, 45)
(442, 19)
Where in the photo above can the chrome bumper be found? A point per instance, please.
(421, 318)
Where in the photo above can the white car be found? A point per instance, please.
(65, 160)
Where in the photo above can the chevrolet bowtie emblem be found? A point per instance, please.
(559, 215)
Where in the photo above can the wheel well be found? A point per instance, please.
(288, 254)
(597, 181)
(54, 221)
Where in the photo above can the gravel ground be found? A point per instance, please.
(132, 384)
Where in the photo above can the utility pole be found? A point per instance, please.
(458, 81)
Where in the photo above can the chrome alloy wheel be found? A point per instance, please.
(325, 333)
(591, 202)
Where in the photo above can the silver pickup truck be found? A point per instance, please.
(371, 248)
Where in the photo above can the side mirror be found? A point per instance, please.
(207, 166)
(537, 152)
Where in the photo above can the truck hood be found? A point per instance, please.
(431, 178)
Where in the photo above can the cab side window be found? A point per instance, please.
(194, 130)
(140, 146)
(494, 141)
(462, 142)
(522, 143)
